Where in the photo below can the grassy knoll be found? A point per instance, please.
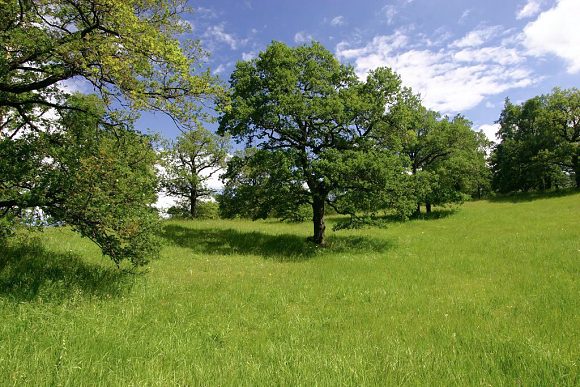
(488, 295)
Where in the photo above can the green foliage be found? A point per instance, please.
(97, 178)
(205, 210)
(130, 53)
(447, 158)
(540, 145)
(313, 124)
(189, 163)
(260, 183)
(127, 50)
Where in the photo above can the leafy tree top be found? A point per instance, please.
(127, 50)
(319, 130)
(304, 98)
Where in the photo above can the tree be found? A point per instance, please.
(129, 54)
(127, 51)
(317, 130)
(99, 179)
(447, 158)
(539, 146)
(190, 162)
(563, 124)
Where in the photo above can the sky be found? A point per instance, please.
(461, 56)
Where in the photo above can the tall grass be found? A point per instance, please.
(488, 295)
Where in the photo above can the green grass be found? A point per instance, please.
(488, 295)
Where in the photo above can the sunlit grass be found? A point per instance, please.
(488, 295)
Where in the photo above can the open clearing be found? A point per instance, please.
(486, 294)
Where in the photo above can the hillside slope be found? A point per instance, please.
(486, 294)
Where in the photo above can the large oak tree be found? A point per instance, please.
(321, 135)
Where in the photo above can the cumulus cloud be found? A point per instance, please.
(477, 37)
(555, 31)
(489, 130)
(531, 8)
(249, 55)
(500, 55)
(450, 79)
(338, 21)
(217, 33)
(302, 37)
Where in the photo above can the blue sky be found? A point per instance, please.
(461, 56)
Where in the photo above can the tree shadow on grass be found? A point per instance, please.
(438, 213)
(283, 247)
(30, 272)
(521, 197)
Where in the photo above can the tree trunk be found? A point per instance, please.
(428, 207)
(576, 166)
(193, 203)
(318, 219)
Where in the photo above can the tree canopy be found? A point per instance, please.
(447, 158)
(98, 179)
(540, 143)
(127, 51)
(319, 131)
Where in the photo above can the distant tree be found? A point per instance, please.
(447, 158)
(190, 162)
(96, 178)
(563, 124)
(539, 146)
(317, 130)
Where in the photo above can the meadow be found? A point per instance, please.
(483, 294)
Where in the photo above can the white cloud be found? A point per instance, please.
(501, 55)
(76, 85)
(217, 33)
(249, 55)
(220, 69)
(390, 11)
(489, 131)
(207, 13)
(450, 79)
(477, 37)
(464, 16)
(555, 31)
(338, 21)
(302, 37)
(531, 8)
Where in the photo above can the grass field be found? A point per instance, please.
(488, 294)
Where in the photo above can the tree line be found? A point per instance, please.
(540, 143)
(312, 136)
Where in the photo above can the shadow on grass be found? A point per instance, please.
(284, 247)
(30, 272)
(438, 213)
(521, 197)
